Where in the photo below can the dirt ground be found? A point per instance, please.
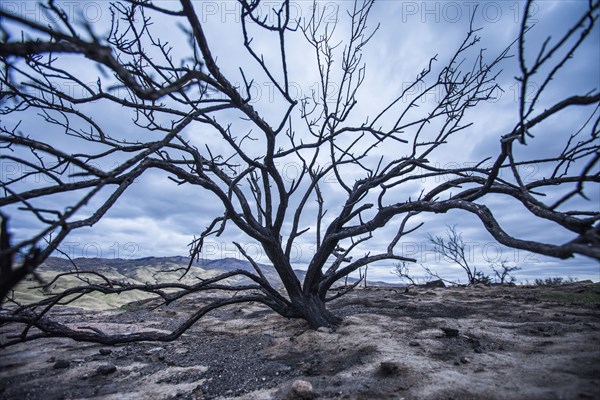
(447, 343)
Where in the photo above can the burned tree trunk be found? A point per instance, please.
(313, 309)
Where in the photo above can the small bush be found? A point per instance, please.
(554, 281)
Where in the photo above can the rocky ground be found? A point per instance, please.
(445, 343)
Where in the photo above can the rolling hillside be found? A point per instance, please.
(138, 271)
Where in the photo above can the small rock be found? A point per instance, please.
(388, 368)
(105, 352)
(138, 358)
(325, 330)
(414, 343)
(465, 360)
(478, 350)
(51, 360)
(434, 284)
(301, 390)
(450, 332)
(157, 358)
(154, 350)
(106, 369)
(61, 364)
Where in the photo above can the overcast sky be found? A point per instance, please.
(157, 218)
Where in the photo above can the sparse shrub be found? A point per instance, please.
(554, 281)
(482, 278)
(401, 270)
(503, 273)
(454, 248)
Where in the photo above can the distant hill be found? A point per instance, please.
(163, 268)
(139, 271)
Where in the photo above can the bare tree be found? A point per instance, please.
(402, 271)
(176, 101)
(454, 248)
(11, 275)
(503, 273)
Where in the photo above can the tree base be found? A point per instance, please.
(313, 310)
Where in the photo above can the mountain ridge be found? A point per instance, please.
(127, 266)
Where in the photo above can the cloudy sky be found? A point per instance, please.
(158, 218)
